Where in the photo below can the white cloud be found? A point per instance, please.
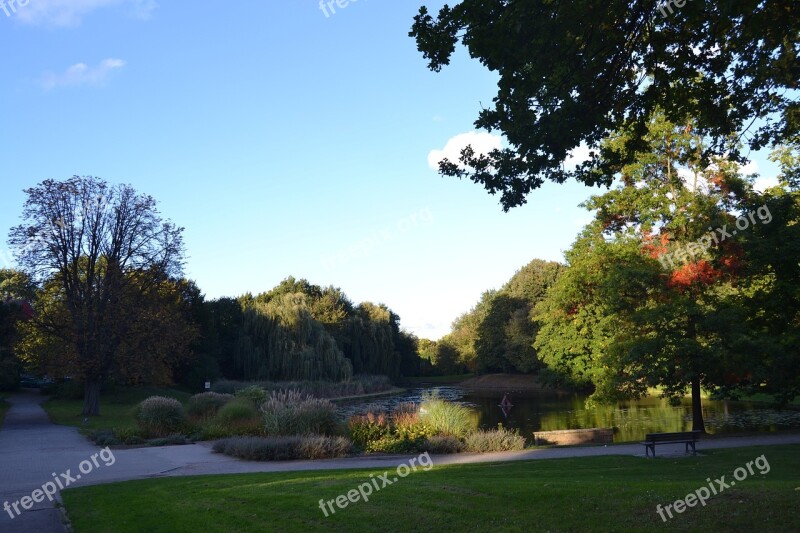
(82, 74)
(576, 157)
(482, 142)
(71, 12)
(763, 183)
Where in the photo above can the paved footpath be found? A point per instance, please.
(32, 450)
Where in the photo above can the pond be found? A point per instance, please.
(548, 411)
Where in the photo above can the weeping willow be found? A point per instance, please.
(369, 341)
(280, 340)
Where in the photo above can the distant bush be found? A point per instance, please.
(205, 405)
(294, 413)
(159, 416)
(67, 390)
(447, 418)
(359, 385)
(9, 376)
(443, 444)
(254, 393)
(283, 448)
(225, 386)
(373, 383)
(496, 440)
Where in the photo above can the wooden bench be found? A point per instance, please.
(689, 438)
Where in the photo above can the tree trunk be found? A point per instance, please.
(91, 398)
(697, 407)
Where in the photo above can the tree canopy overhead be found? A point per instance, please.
(574, 72)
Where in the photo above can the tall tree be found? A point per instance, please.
(105, 252)
(571, 72)
(17, 291)
(281, 340)
(653, 293)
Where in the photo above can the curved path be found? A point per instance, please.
(33, 450)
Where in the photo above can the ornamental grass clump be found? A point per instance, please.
(284, 448)
(496, 440)
(447, 418)
(205, 405)
(159, 416)
(293, 413)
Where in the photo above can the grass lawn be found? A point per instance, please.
(586, 494)
(116, 409)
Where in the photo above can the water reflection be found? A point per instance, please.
(552, 411)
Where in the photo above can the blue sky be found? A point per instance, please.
(285, 141)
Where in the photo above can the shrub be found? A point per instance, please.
(236, 412)
(206, 404)
(224, 386)
(68, 390)
(392, 444)
(409, 426)
(372, 384)
(447, 418)
(240, 417)
(368, 428)
(257, 395)
(322, 447)
(9, 376)
(283, 448)
(128, 435)
(104, 437)
(443, 444)
(159, 416)
(363, 384)
(496, 440)
(213, 431)
(293, 413)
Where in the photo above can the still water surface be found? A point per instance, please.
(547, 411)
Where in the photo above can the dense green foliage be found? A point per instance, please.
(16, 290)
(110, 304)
(570, 73)
(652, 298)
(300, 331)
